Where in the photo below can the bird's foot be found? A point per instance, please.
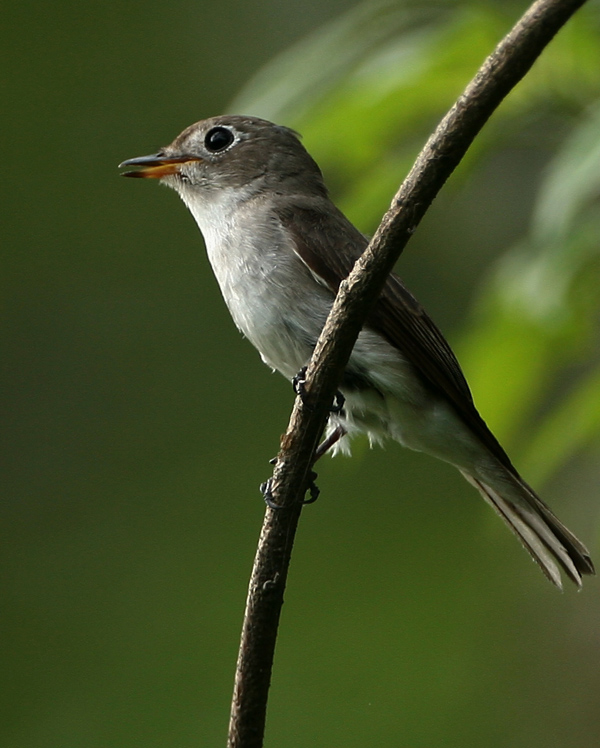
(299, 385)
(266, 489)
(313, 489)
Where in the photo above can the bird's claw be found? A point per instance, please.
(266, 489)
(313, 489)
(299, 385)
(338, 403)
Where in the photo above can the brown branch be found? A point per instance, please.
(502, 70)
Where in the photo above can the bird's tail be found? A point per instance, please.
(545, 537)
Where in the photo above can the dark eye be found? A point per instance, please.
(218, 139)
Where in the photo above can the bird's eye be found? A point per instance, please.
(217, 139)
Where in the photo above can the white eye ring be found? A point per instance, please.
(218, 139)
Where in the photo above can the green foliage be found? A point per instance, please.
(392, 72)
(540, 313)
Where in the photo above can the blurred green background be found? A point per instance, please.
(137, 423)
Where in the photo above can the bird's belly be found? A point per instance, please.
(393, 402)
(277, 304)
(281, 319)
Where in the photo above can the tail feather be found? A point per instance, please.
(578, 553)
(543, 535)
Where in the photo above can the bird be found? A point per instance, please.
(279, 248)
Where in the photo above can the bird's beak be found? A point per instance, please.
(156, 166)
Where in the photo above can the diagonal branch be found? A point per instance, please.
(502, 70)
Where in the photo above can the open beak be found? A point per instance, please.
(156, 166)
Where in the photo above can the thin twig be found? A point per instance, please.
(502, 70)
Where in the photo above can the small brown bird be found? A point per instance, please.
(279, 248)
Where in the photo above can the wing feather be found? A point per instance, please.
(329, 245)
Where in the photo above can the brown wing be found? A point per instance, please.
(329, 245)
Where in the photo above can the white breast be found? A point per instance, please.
(270, 293)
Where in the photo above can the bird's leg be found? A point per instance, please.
(328, 443)
(323, 447)
(298, 383)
